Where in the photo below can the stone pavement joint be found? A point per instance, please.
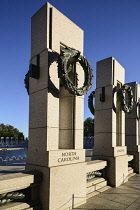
(124, 197)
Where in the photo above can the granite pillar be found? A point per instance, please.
(109, 139)
(55, 117)
(132, 128)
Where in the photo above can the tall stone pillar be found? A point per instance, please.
(109, 139)
(2, 141)
(55, 116)
(12, 139)
(7, 141)
(132, 128)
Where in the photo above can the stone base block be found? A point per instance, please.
(136, 162)
(116, 172)
(61, 184)
(56, 157)
(20, 205)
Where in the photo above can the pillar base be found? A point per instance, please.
(136, 161)
(116, 171)
(135, 151)
(62, 186)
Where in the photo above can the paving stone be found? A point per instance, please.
(126, 196)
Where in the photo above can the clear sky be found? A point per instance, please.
(111, 28)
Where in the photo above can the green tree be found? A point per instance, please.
(20, 135)
(9, 131)
(89, 127)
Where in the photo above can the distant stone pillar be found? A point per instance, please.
(55, 116)
(2, 140)
(21, 140)
(12, 138)
(132, 128)
(16, 140)
(7, 141)
(109, 138)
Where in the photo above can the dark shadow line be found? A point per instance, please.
(111, 200)
(52, 56)
(113, 105)
(121, 193)
(11, 172)
(90, 209)
(132, 203)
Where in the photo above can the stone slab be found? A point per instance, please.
(66, 112)
(136, 162)
(103, 121)
(78, 138)
(108, 95)
(119, 72)
(17, 181)
(104, 72)
(37, 147)
(131, 142)
(62, 177)
(117, 170)
(42, 83)
(103, 145)
(38, 109)
(118, 151)
(95, 165)
(130, 157)
(130, 127)
(66, 138)
(123, 199)
(109, 71)
(132, 148)
(21, 206)
(41, 36)
(101, 203)
(66, 157)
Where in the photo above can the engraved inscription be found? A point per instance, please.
(120, 150)
(68, 156)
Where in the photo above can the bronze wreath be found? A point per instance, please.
(10, 196)
(68, 57)
(126, 106)
(138, 110)
(26, 81)
(90, 102)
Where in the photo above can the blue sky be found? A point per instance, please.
(111, 28)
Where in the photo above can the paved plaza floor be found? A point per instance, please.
(126, 196)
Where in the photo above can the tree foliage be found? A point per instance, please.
(89, 127)
(9, 131)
